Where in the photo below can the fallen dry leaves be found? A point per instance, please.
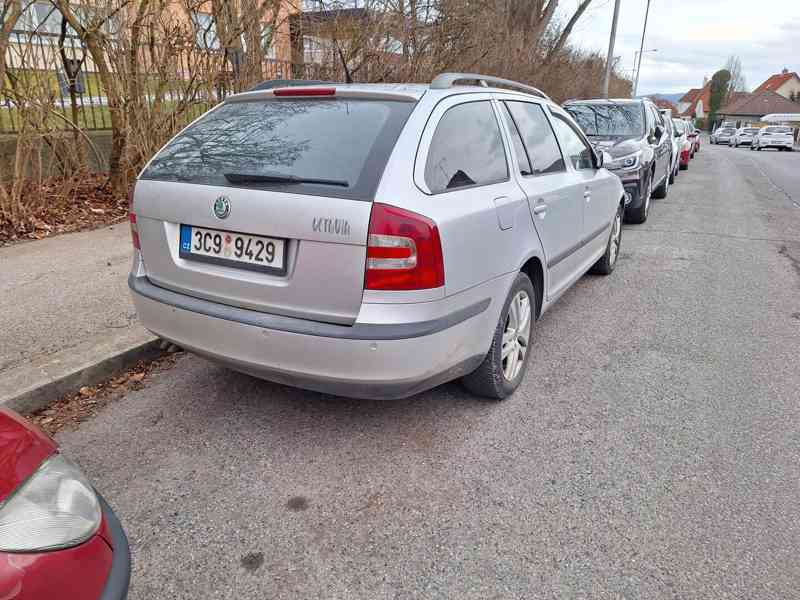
(89, 204)
(84, 404)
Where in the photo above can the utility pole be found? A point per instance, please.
(641, 50)
(607, 79)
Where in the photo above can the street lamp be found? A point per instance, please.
(637, 66)
(641, 49)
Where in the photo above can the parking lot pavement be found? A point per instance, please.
(651, 452)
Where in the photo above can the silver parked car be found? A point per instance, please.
(723, 135)
(743, 136)
(371, 240)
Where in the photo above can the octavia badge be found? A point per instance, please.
(222, 207)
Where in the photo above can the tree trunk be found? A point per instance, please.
(567, 31)
(12, 9)
(93, 39)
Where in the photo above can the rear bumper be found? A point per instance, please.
(375, 361)
(776, 144)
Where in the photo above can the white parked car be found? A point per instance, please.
(778, 137)
(743, 136)
(723, 135)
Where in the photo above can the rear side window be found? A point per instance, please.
(519, 147)
(340, 144)
(538, 137)
(466, 149)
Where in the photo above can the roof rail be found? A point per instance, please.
(448, 80)
(281, 83)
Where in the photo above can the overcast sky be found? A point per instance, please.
(695, 37)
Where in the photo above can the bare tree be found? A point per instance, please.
(10, 11)
(734, 67)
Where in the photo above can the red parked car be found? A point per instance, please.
(58, 537)
(694, 137)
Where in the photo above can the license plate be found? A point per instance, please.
(232, 249)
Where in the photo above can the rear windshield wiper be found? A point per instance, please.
(265, 178)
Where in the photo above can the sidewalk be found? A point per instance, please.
(64, 307)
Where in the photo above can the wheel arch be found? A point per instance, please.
(534, 269)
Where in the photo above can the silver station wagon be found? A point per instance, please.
(372, 240)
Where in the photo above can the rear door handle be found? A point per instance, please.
(587, 194)
(540, 208)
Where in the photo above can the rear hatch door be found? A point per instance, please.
(265, 202)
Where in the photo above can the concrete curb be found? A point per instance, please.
(33, 385)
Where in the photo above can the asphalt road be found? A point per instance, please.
(651, 452)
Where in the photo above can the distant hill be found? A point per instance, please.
(671, 97)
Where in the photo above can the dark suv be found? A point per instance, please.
(634, 134)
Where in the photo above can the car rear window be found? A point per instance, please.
(750, 131)
(778, 130)
(728, 131)
(612, 119)
(344, 142)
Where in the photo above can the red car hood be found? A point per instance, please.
(22, 449)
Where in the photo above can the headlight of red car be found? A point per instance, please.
(54, 508)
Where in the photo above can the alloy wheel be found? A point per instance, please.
(516, 335)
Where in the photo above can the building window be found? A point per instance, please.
(267, 41)
(44, 19)
(205, 31)
(41, 18)
(317, 50)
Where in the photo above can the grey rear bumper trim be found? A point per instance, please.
(359, 331)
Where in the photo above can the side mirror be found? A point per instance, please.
(599, 159)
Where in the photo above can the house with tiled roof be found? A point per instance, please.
(746, 109)
(664, 104)
(785, 83)
(694, 103)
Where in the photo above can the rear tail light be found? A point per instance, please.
(404, 251)
(134, 231)
(132, 219)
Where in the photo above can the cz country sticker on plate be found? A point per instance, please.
(232, 249)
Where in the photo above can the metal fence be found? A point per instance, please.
(39, 64)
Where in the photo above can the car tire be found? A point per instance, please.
(638, 216)
(498, 377)
(684, 167)
(673, 174)
(605, 266)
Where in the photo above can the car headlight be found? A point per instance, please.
(54, 508)
(625, 163)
